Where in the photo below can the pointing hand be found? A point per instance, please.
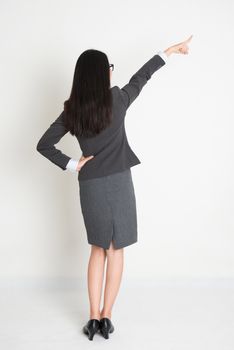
(181, 47)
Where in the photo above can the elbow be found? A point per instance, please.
(40, 146)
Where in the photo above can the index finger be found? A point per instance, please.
(189, 38)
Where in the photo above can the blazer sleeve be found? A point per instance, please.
(132, 89)
(46, 144)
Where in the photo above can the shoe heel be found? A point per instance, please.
(90, 336)
(91, 328)
(105, 334)
(106, 327)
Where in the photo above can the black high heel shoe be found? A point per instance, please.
(106, 327)
(91, 327)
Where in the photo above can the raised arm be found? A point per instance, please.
(46, 144)
(132, 89)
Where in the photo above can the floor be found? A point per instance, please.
(159, 315)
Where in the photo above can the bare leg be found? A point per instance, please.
(96, 268)
(115, 260)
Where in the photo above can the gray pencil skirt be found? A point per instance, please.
(108, 206)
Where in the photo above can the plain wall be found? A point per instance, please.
(184, 184)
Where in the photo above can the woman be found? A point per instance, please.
(95, 114)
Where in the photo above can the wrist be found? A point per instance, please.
(168, 51)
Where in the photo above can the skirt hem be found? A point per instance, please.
(116, 246)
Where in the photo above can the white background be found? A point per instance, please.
(180, 126)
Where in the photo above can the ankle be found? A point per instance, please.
(94, 315)
(105, 314)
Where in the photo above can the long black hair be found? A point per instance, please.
(88, 110)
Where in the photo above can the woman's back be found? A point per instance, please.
(110, 148)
